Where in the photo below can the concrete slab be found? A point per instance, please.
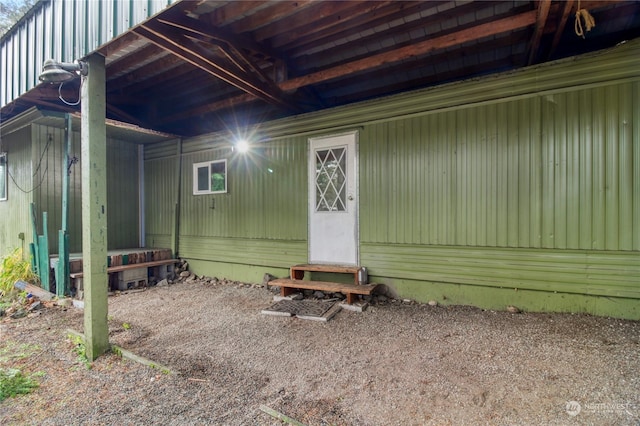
(355, 307)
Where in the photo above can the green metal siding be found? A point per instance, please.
(552, 171)
(160, 200)
(122, 188)
(266, 199)
(122, 194)
(265, 207)
(16, 217)
(528, 180)
(598, 273)
(64, 30)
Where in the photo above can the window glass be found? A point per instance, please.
(210, 177)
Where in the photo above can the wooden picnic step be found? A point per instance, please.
(359, 272)
(288, 286)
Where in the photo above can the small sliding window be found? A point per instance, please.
(210, 177)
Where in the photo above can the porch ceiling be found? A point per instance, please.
(202, 66)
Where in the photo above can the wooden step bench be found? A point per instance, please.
(129, 273)
(359, 272)
(288, 286)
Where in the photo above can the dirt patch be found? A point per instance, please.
(395, 363)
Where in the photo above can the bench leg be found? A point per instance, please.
(285, 291)
(351, 298)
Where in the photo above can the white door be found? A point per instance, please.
(333, 202)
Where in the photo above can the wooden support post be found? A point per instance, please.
(62, 271)
(94, 208)
(175, 228)
(43, 253)
(34, 251)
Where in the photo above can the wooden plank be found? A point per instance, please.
(339, 269)
(35, 290)
(332, 287)
(120, 268)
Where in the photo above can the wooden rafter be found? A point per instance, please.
(174, 42)
(541, 21)
(423, 48)
(568, 6)
(201, 31)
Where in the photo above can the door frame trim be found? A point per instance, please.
(356, 171)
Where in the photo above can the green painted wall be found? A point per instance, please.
(15, 210)
(522, 188)
(122, 188)
(553, 171)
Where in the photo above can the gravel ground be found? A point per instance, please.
(394, 364)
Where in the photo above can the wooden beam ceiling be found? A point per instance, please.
(411, 51)
(174, 41)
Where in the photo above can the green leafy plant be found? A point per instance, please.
(14, 268)
(126, 325)
(80, 349)
(13, 382)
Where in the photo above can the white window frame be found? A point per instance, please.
(4, 177)
(208, 165)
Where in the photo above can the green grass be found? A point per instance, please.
(13, 382)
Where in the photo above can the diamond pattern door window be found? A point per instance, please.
(331, 180)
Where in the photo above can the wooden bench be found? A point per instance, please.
(297, 282)
(129, 273)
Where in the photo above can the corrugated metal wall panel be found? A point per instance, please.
(160, 200)
(272, 174)
(15, 214)
(122, 188)
(267, 253)
(64, 30)
(567, 271)
(122, 194)
(553, 171)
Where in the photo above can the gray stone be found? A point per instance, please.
(163, 283)
(20, 313)
(433, 303)
(35, 306)
(266, 278)
(64, 302)
(339, 296)
(185, 274)
(355, 307)
(308, 293)
(318, 294)
(513, 309)
(382, 298)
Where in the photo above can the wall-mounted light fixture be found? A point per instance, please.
(242, 146)
(59, 72)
